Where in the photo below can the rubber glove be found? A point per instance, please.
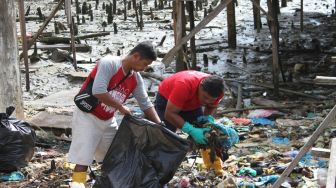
(232, 135)
(196, 133)
(205, 119)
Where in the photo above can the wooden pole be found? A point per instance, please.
(52, 14)
(283, 3)
(74, 62)
(256, 16)
(10, 83)
(330, 119)
(239, 97)
(332, 165)
(179, 33)
(190, 5)
(125, 10)
(231, 25)
(70, 21)
(301, 17)
(261, 9)
(275, 51)
(24, 42)
(168, 58)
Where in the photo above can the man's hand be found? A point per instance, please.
(124, 110)
(198, 134)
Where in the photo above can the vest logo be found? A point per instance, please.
(86, 105)
(118, 97)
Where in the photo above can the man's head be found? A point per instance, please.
(210, 89)
(142, 55)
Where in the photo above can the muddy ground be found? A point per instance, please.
(304, 55)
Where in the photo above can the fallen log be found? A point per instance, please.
(79, 47)
(256, 107)
(280, 89)
(66, 40)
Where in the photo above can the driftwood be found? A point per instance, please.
(66, 40)
(79, 47)
(280, 89)
(30, 18)
(257, 107)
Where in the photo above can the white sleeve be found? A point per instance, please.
(106, 69)
(141, 95)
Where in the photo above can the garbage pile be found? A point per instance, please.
(269, 141)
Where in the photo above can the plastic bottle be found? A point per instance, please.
(322, 174)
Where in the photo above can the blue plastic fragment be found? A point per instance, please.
(262, 121)
(280, 140)
(13, 176)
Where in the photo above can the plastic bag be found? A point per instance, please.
(17, 142)
(142, 154)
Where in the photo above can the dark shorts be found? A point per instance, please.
(160, 107)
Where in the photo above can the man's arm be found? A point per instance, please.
(210, 110)
(107, 99)
(151, 114)
(172, 116)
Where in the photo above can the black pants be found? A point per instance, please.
(160, 107)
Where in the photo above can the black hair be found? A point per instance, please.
(146, 50)
(213, 85)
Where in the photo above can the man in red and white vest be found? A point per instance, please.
(92, 133)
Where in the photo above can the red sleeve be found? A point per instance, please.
(179, 95)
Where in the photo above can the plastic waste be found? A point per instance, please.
(292, 153)
(226, 121)
(248, 171)
(259, 113)
(14, 176)
(17, 142)
(322, 163)
(184, 182)
(262, 121)
(241, 121)
(322, 174)
(232, 136)
(264, 180)
(245, 184)
(280, 140)
(306, 160)
(142, 154)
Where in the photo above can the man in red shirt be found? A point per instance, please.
(180, 100)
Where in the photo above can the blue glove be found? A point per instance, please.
(205, 119)
(196, 133)
(232, 135)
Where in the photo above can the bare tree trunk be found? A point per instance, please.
(231, 23)
(273, 25)
(192, 40)
(283, 3)
(256, 17)
(10, 85)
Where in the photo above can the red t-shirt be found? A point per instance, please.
(181, 89)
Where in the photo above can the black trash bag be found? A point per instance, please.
(17, 142)
(142, 155)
